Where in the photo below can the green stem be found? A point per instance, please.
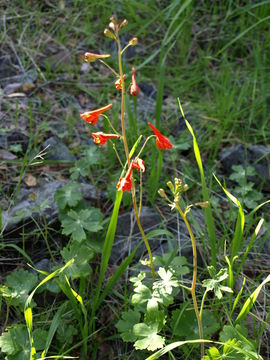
(110, 124)
(202, 304)
(193, 286)
(146, 141)
(108, 66)
(117, 155)
(133, 191)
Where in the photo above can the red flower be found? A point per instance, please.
(92, 116)
(125, 183)
(100, 138)
(162, 141)
(118, 84)
(139, 164)
(134, 88)
(91, 57)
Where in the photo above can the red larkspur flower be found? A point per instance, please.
(91, 57)
(125, 182)
(162, 141)
(139, 164)
(100, 138)
(92, 116)
(118, 84)
(134, 88)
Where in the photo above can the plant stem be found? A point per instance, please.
(193, 286)
(133, 191)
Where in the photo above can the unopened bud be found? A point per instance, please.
(162, 193)
(123, 23)
(170, 186)
(134, 41)
(109, 34)
(113, 20)
(112, 26)
(204, 204)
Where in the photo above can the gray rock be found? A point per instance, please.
(128, 234)
(32, 204)
(29, 206)
(57, 150)
(257, 156)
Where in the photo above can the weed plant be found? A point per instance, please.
(222, 78)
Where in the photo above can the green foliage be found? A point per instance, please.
(214, 284)
(17, 287)
(148, 337)
(149, 302)
(75, 223)
(176, 264)
(245, 189)
(184, 323)
(82, 167)
(82, 254)
(15, 342)
(68, 195)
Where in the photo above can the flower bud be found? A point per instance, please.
(113, 20)
(170, 186)
(91, 57)
(134, 41)
(112, 26)
(109, 34)
(123, 23)
(162, 193)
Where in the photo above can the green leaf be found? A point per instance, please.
(176, 264)
(167, 282)
(75, 223)
(68, 195)
(18, 285)
(184, 323)
(214, 284)
(65, 333)
(212, 354)
(15, 343)
(82, 254)
(92, 155)
(142, 295)
(150, 338)
(125, 325)
(80, 168)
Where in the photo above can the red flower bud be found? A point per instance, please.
(118, 84)
(134, 88)
(139, 164)
(162, 141)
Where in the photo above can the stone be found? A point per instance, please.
(57, 150)
(32, 203)
(257, 156)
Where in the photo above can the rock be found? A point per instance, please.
(32, 203)
(57, 150)
(126, 240)
(128, 235)
(257, 156)
(12, 137)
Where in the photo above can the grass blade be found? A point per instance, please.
(240, 223)
(250, 301)
(207, 211)
(106, 252)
